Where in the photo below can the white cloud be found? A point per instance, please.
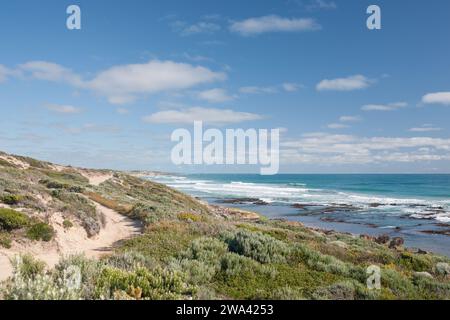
(291, 87)
(4, 73)
(323, 148)
(287, 87)
(215, 95)
(88, 128)
(337, 126)
(350, 118)
(122, 111)
(273, 23)
(425, 128)
(321, 4)
(384, 107)
(207, 115)
(43, 70)
(200, 27)
(121, 83)
(67, 109)
(197, 58)
(437, 98)
(356, 82)
(257, 90)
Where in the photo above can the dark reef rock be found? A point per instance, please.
(255, 201)
(375, 205)
(396, 243)
(445, 232)
(382, 239)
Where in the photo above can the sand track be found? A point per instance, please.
(74, 241)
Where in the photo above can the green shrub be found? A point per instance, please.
(197, 272)
(232, 264)
(433, 289)
(33, 162)
(5, 240)
(326, 263)
(79, 206)
(81, 269)
(286, 293)
(187, 216)
(415, 262)
(30, 283)
(54, 184)
(262, 248)
(28, 266)
(130, 260)
(148, 214)
(11, 199)
(40, 231)
(68, 177)
(206, 249)
(338, 291)
(157, 284)
(5, 163)
(67, 224)
(11, 219)
(398, 284)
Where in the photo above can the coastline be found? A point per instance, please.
(377, 216)
(140, 239)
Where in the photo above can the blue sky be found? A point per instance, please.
(109, 95)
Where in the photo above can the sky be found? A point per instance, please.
(345, 98)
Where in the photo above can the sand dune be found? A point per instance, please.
(73, 241)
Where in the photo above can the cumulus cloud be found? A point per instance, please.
(88, 128)
(291, 87)
(121, 83)
(337, 126)
(124, 83)
(43, 70)
(257, 90)
(200, 27)
(207, 115)
(425, 128)
(122, 111)
(215, 95)
(273, 23)
(323, 148)
(437, 98)
(356, 82)
(4, 73)
(384, 107)
(350, 118)
(59, 108)
(287, 87)
(321, 4)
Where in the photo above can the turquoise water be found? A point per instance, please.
(416, 207)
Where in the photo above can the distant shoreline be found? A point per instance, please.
(426, 234)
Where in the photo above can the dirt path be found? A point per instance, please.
(73, 241)
(95, 178)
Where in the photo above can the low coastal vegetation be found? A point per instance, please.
(190, 250)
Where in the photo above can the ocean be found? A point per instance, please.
(415, 207)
